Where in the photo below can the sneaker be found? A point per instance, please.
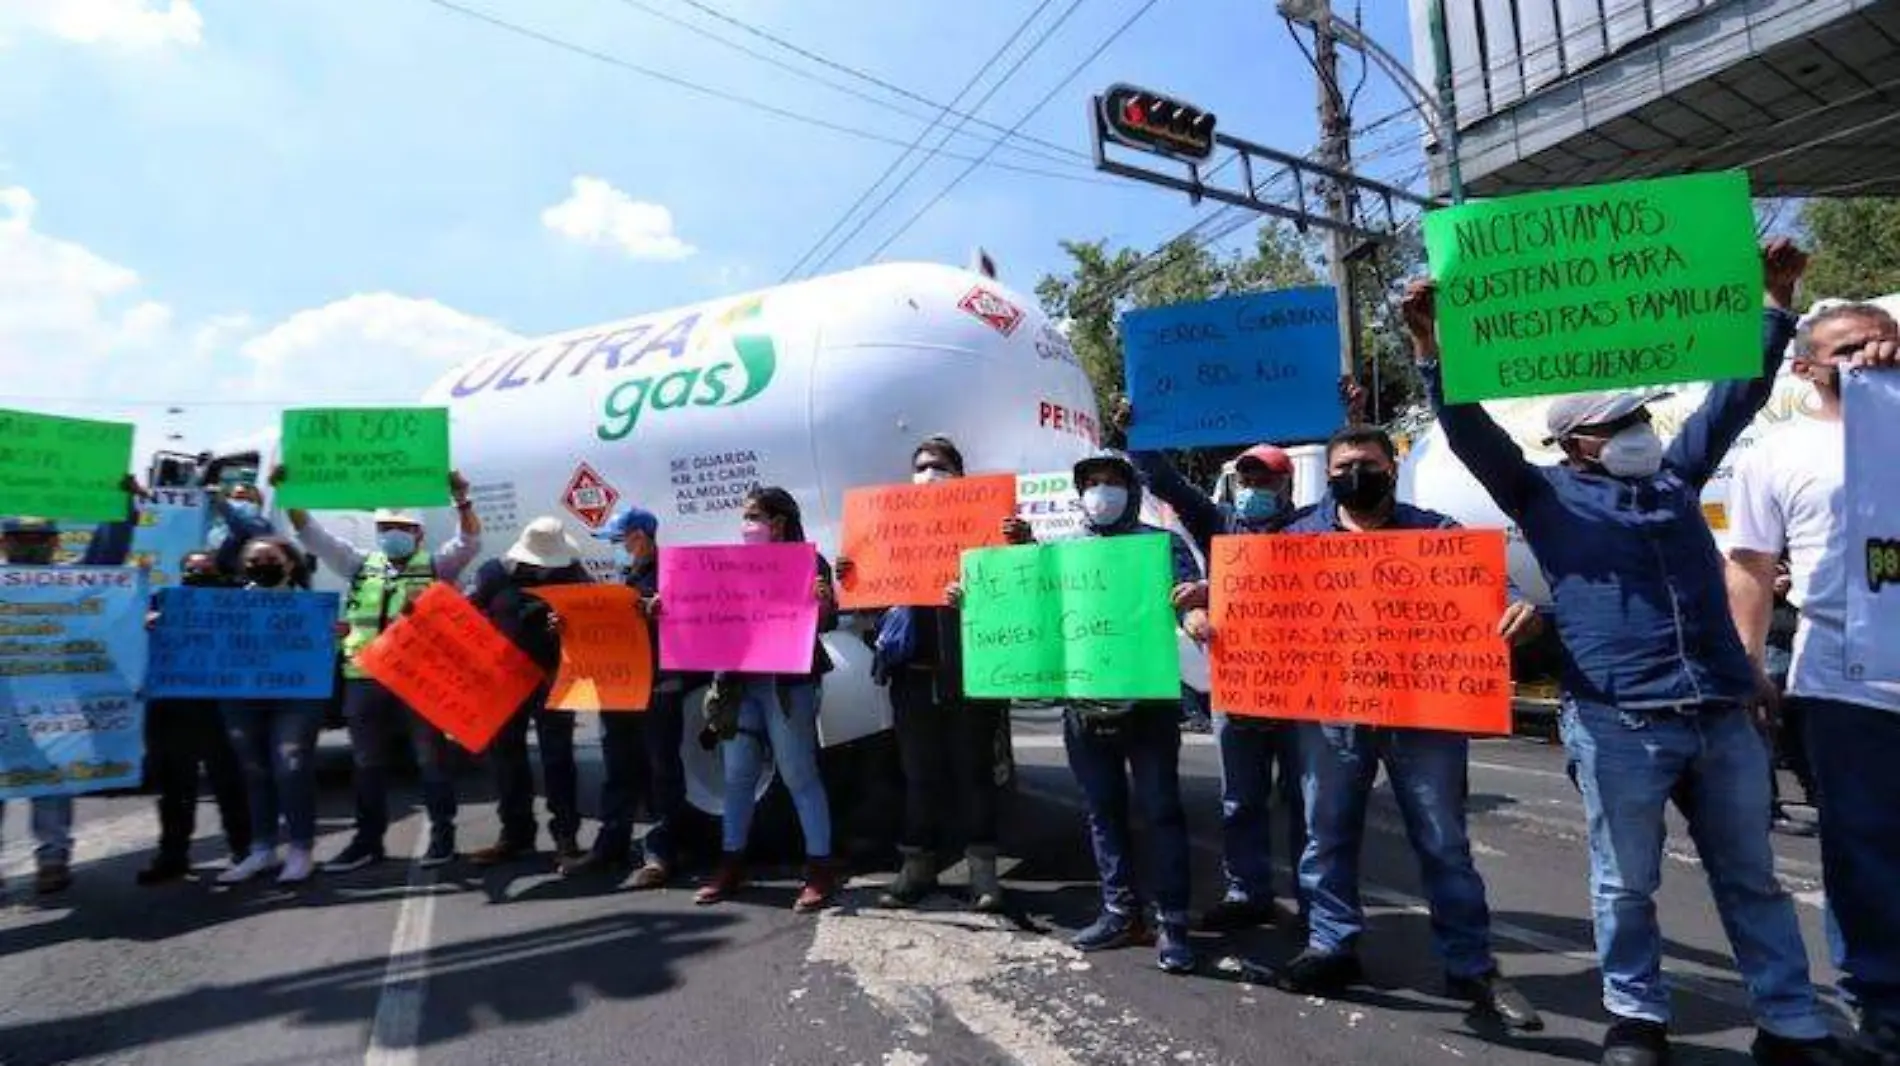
(354, 857)
(1321, 973)
(441, 850)
(298, 866)
(260, 860)
(821, 887)
(1636, 1042)
(501, 851)
(164, 870)
(652, 874)
(52, 879)
(1497, 997)
(726, 881)
(1176, 954)
(1772, 1050)
(1109, 931)
(1236, 913)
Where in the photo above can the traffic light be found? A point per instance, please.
(1157, 123)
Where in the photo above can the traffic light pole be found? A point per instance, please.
(1336, 149)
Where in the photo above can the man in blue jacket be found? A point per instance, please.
(35, 542)
(1655, 678)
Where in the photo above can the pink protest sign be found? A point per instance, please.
(747, 608)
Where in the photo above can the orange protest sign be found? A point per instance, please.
(906, 542)
(606, 654)
(1390, 629)
(454, 668)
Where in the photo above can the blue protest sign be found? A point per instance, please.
(172, 523)
(243, 644)
(1238, 370)
(72, 653)
(1872, 536)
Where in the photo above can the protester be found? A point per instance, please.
(1786, 495)
(383, 584)
(543, 556)
(1655, 677)
(779, 712)
(1109, 742)
(276, 743)
(180, 736)
(946, 742)
(27, 541)
(640, 753)
(1256, 754)
(241, 509)
(1428, 769)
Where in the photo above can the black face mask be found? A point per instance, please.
(199, 579)
(1362, 488)
(269, 575)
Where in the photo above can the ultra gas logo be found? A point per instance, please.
(731, 363)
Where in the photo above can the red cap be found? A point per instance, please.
(1268, 456)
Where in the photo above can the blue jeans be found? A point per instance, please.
(1253, 752)
(276, 745)
(1854, 749)
(376, 717)
(1428, 770)
(786, 718)
(52, 820)
(1104, 752)
(1629, 765)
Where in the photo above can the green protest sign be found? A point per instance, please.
(363, 457)
(63, 468)
(1085, 619)
(1602, 287)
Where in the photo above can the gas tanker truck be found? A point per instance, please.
(819, 387)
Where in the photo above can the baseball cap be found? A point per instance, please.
(1266, 455)
(387, 517)
(1574, 412)
(626, 520)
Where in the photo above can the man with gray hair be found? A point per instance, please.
(1787, 495)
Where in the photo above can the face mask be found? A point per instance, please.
(1362, 488)
(1104, 505)
(930, 476)
(244, 509)
(756, 532)
(1635, 451)
(270, 575)
(199, 579)
(397, 543)
(1256, 505)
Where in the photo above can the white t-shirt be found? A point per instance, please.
(1786, 494)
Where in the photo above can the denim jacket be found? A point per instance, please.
(1637, 585)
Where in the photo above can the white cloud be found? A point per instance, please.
(127, 24)
(597, 213)
(370, 347)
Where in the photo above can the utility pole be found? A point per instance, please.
(1335, 127)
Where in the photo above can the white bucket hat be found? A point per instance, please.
(545, 543)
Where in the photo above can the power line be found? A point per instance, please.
(870, 190)
(937, 149)
(1031, 113)
(722, 94)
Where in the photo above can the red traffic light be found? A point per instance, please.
(1157, 123)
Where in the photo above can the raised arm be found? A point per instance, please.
(343, 559)
(111, 542)
(461, 549)
(1200, 516)
(1478, 441)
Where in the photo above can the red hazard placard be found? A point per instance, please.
(589, 497)
(1001, 315)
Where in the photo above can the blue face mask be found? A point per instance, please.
(1257, 505)
(396, 543)
(244, 510)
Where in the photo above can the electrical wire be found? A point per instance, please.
(1074, 73)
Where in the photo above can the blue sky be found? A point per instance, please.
(259, 201)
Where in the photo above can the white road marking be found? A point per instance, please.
(398, 1025)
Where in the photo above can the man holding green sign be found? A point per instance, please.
(1092, 621)
(1603, 287)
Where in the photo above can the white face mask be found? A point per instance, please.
(1635, 451)
(930, 476)
(1104, 505)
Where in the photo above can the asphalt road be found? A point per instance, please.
(395, 965)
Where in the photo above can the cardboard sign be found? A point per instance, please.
(172, 524)
(72, 653)
(453, 667)
(243, 644)
(1872, 537)
(63, 468)
(365, 457)
(1604, 287)
(1235, 370)
(747, 608)
(1387, 629)
(1086, 619)
(606, 649)
(906, 542)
